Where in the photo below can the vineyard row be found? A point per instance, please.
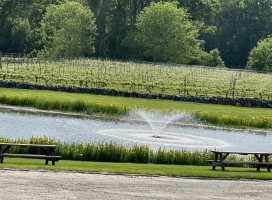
(138, 77)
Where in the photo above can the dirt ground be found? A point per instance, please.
(31, 184)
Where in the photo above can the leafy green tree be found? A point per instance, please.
(240, 25)
(101, 10)
(67, 30)
(135, 7)
(202, 12)
(166, 33)
(260, 57)
(213, 59)
(18, 20)
(118, 25)
(201, 9)
(21, 35)
(115, 21)
(16, 35)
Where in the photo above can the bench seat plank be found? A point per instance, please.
(30, 156)
(247, 162)
(29, 145)
(242, 153)
(239, 162)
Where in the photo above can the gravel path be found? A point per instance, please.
(18, 184)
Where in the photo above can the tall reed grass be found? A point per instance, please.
(112, 152)
(69, 106)
(89, 107)
(223, 119)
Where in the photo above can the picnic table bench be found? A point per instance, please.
(220, 159)
(47, 150)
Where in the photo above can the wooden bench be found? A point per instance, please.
(221, 156)
(47, 150)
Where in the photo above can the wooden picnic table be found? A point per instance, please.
(221, 156)
(47, 150)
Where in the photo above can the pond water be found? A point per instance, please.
(177, 133)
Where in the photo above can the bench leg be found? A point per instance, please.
(223, 168)
(47, 161)
(258, 168)
(215, 160)
(1, 151)
(268, 169)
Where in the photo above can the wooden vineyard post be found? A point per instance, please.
(1, 60)
(7, 62)
(14, 61)
(19, 61)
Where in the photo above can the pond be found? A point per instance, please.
(141, 127)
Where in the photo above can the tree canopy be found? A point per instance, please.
(166, 33)
(18, 21)
(260, 57)
(67, 30)
(240, 25)
(233, 27)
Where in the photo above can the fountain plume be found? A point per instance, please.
(158, 120)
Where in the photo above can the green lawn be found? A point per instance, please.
(169, 170)
(214, 114)
(131, 168)
(143, 103)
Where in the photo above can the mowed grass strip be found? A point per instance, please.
(141, 103)
(214, 114)
(132, 168)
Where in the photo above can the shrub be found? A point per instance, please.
(260, 58)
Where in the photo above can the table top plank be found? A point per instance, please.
(30, 156)
(29, 145)
(243, 153)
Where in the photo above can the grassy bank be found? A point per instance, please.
(112, 152)
(79, 152)
(109, 105)
(132, 168)
(79, 106)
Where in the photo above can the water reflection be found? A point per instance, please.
(16, 123)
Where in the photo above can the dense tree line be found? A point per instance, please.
(199, 32)
(240, 25)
